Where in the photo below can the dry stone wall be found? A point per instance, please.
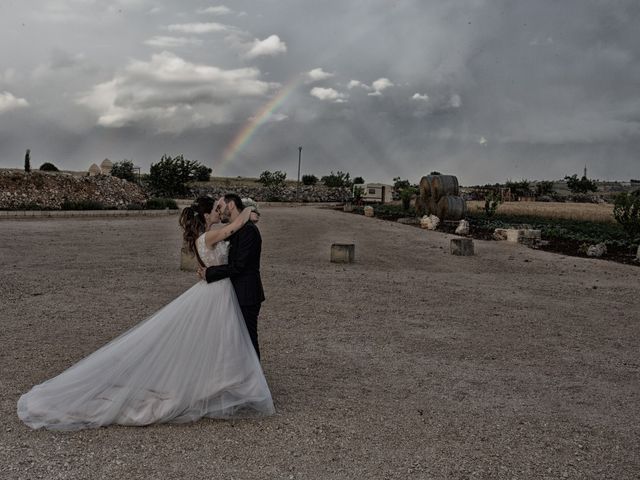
(49, 190)
(308, 193)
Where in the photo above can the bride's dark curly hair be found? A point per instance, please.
(192, 220)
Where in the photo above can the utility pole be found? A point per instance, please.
(299, 158)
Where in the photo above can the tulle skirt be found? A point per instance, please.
(191, 359)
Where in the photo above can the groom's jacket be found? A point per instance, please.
(243, 267)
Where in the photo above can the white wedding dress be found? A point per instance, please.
(191, 359)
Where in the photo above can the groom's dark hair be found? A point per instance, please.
(232, 197)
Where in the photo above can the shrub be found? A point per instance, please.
(626, 211)
(169, 177)
(274, 183)
(135, 206)
(309, 179)
(161, 204)
(48, 167)
(582, 185)
(491, 202)
(124, 170)
(82, 205)
(338, 179)
(203, 173)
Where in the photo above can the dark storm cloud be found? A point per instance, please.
(486, 90)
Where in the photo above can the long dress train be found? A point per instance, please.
(191, 359)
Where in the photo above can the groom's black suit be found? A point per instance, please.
(243, 268)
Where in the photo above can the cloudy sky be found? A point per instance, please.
(487, 90)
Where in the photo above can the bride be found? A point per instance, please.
(191, 359)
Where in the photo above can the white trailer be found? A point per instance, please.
(376, 192)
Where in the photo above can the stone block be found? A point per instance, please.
(514, 235)
(462, 246)
(368, 211)
(343, 252)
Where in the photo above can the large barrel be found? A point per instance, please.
(420, 205)
(444, 185)
(451, 207)
(425, 186)
(432, 206)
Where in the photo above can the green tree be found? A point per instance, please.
(309, 179)
(399, 184)
(520, 188)
(169, 177)
(582, 185)
(435, 173)
(544, 187)
(626, 211)
(124, 170)
(338, 179)
(203, 173)
(274, 182)
(358, 181)
(48, 167)
(27, 161)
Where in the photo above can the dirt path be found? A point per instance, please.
(409, 363)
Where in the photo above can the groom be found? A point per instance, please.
(243, 266)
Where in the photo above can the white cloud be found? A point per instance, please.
(9, 102)
(217, 10)
(455, 101)
(358, 84)
(171, 94)
(271, 45)
(172, 42)
(421, 97)
(376, 87)
(379, 85)
(482, 141)
(328, 94)
(199, 28)
(318, 74)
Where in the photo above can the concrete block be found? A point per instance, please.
(462, 246)
(343, 252)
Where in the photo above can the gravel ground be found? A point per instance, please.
(409, 363)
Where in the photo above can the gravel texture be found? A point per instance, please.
(409, 363)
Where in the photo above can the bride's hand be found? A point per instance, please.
(254, 217)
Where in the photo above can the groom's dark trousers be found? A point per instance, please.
(243, 268)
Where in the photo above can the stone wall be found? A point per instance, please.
(310, 194)
(48, 190)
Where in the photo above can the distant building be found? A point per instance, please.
(94, 170)
(106, 166)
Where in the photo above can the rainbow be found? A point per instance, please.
(243, 137)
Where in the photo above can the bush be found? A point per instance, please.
(82, 205)
(309, 179)
(274, 183)
(626, 211)
(135, 206)
(338, 179)
(203, 173)
(161, 204)
(169, 177)
(48, 167)
(583, 185)
(124, 170)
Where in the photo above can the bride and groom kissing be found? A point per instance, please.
(198, 356)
